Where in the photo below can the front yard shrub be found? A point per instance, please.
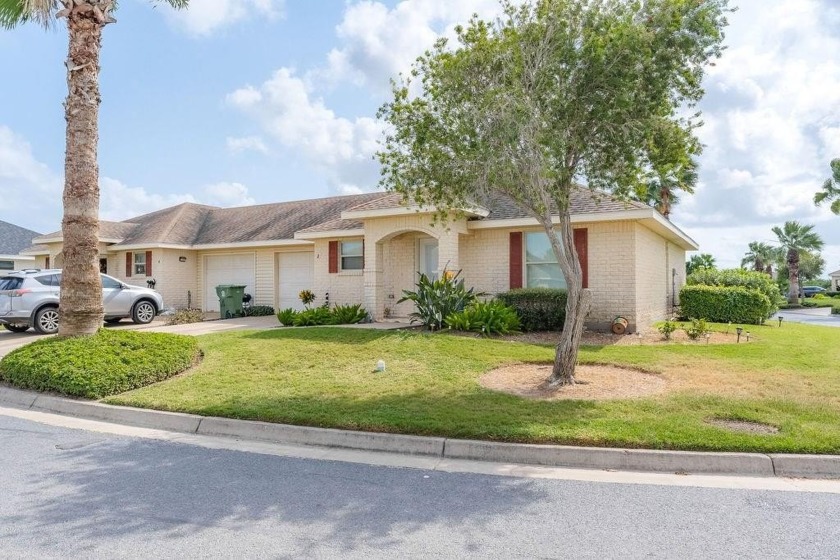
(539, 309)
(185, 316)
(696, 328)
(737, 277)
(487, 318)
(109, 362)
(667, 328)
(316, 316)
(258, 311)
(348, 314)
(435, 300)
(723, 304)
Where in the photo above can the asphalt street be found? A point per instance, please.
(70, 493)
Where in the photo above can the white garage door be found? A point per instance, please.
(295, 272)
(227, 269)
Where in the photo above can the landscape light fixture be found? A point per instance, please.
(739, 330)
(639, 336)
(728, 327)
(708, 336)
(380, 365)
(780, 320)
(748, 336)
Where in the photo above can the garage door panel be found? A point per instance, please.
(227, 269)
(295, 273)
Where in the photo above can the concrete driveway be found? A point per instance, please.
(820, 316)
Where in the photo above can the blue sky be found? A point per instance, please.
(251, 101)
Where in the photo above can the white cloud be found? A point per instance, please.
(252, 143)
(226, 195)
(29, 190)
(287, 109)
(204, 17)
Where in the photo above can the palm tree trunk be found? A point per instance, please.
(81, 288)
(577, 303)
(793, 276)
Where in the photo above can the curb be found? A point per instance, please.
(642, 460)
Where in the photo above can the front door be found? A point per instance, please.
(428, 257)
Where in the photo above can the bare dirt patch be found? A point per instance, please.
(743, 426)
(594, 382)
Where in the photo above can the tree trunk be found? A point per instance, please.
(758, 265)
(793, 276)
(577, 304)
(81, 288)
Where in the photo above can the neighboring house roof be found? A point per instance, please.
(13, 239)
(835, 273)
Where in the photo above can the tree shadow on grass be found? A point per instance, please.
(330, 334)
(108, 490)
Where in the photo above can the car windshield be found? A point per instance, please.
(10, 282)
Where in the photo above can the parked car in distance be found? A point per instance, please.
(811, 291)
(29, 298)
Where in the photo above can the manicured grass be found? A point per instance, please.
(788, 377)
(96, 366)
(834, 303)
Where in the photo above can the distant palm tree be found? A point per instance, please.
(661, 191)
(761, 257)
(81, 289)
(696, 262)
(793, 238)
(831, 188)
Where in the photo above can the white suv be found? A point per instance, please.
(29, 298)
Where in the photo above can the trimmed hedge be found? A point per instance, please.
(96, 366)
(749, 279)
(539, 309)
(722, 304)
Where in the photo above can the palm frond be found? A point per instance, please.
(16, 12)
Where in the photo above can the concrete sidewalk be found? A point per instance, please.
(642, 460)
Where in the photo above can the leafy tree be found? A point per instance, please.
(660, 191)
(81, 290)
(831, 188)
(761, 256)
(555, 94)
(811, 267)
(699, 262)
(795, 239)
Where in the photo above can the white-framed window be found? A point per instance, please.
(541, 268)
(7, 265)
(352, 255)
(139, 264)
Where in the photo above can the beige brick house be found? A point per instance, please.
(369, 248)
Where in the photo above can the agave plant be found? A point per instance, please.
(436, 299)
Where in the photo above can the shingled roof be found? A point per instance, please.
(13, 239)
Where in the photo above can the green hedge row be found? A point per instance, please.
(722, 304)
(739, 277)
(96, 366)
(539, 309)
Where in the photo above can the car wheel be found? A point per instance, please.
(113, 320)
(46, 320)
(16, 328)
(143, 313)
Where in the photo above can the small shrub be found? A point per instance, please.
(287, 317)
(306, 296)
(723, 304)
(487, 318)
(313, 317)
(437, 299)
(185, 316)
(697, 328)
(820, 296)
(809, 304)
(667, 329)
(107, 363)
(539, 309)
(348, 314)
(258, 311)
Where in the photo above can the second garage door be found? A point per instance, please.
(295, 272)
(227, 269)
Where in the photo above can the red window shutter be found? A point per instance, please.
(128, 257)
(47, 264)
(582, 248)
(333, 257)
(148, 263)
(363, 254)
(515, 259)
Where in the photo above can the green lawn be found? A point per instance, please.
(788, 377)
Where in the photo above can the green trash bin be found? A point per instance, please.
(230, 300)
